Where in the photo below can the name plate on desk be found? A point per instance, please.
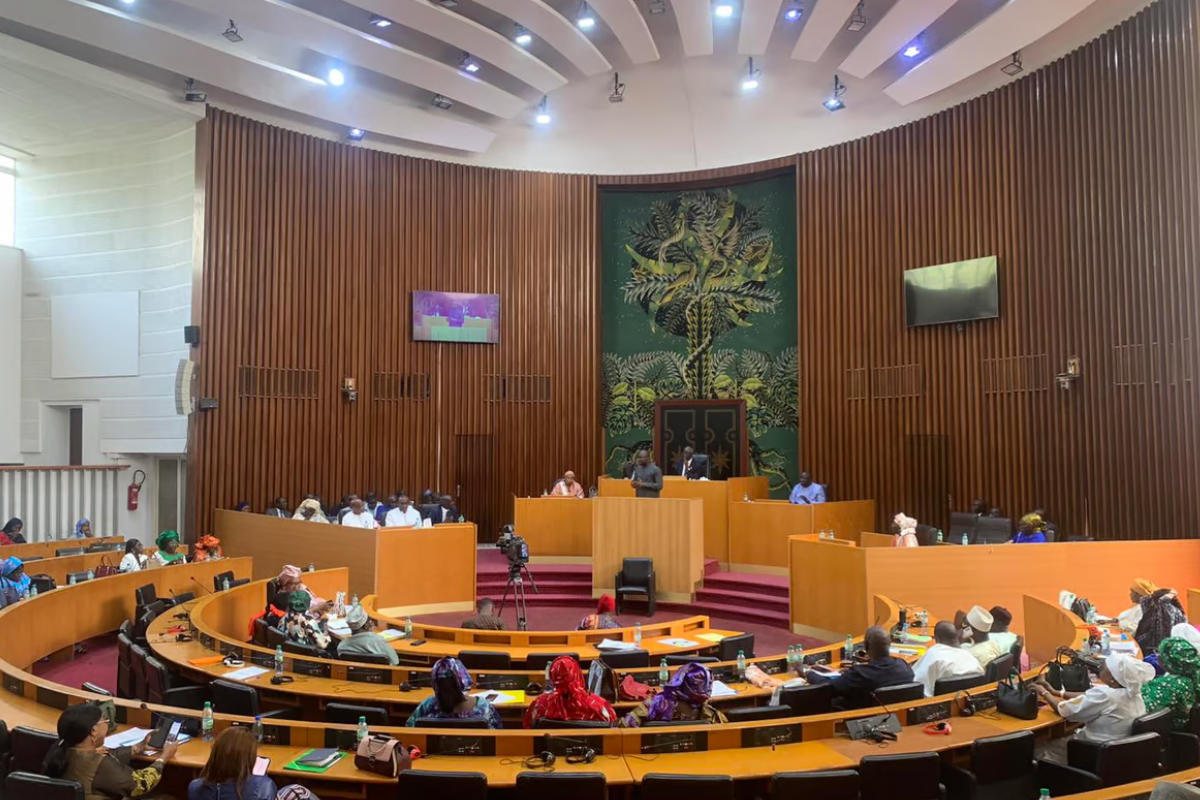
(984, 700)
(502, 682)
(314, 669)
(573, 745)
(460, 745)
(674, 742)
(367, 675)
(262, 659)
(930, 713)
(770, 735)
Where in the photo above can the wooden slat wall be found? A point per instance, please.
(1083, 178)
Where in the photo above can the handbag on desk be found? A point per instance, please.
(382, 755)
(1016, 699)
(106, 568)
(1068, 672)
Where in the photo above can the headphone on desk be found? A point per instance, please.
(574, 755)
(231, 660)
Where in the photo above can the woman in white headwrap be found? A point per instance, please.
(310, 510)
(1107, 710)
(906, 531)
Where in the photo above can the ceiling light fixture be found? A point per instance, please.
(912, 51)
(468, 64)
(381, 22)
(656, 7)
(543, 113)
(231, 33)
(1014, 66)
(447, 3)
(443, 102)
(723, 10)
(128, 2)
(586, 21)
(618, 92)
(523, 37)
(750, 82)
(858, 20)
(192, 94)
(336, 77)
(835, 101)
(355, 134)
(793, 13)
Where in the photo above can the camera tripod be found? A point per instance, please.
(517, 585)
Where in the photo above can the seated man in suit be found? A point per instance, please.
(444, 511)
(806, 492)
(280, 509)
(692, 466)
(855, 687)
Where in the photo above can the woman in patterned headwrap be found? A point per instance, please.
(289, 581)
(906, 531)
(1138, 591)
(684, 697)
(168, 549)
(1161, 611)
(450, 700)
(299, 627)
(569, 699)
(310, 510)
(14, 583)
(83, 528)
(1031, 529)
(1177, 688)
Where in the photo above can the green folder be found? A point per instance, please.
(296, 765)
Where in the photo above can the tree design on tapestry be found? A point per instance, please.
(699, 266)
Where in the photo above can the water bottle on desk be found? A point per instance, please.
(965, 540)
(362, 731)
(547, 675)
(353, 600)
(206, 722)
(90, 575)
(33, 590)
(408, 627)
(791, 657)
(848, 648)
(278, 659)
(664, 672)
(312, 567)
(1105, 642)
(741, 665)
(939, 535)
(225, 584)
(257, 730)
(637, 633)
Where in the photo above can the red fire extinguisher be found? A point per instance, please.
(135, 488)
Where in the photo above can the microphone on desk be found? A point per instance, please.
(201, 585)
(879, 731)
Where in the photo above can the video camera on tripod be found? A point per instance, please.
(516, 550)
(514, 547)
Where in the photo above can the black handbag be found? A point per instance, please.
(1016, 700)
(1067, 672)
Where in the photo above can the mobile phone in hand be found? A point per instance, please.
(260, 765)
(173, 734)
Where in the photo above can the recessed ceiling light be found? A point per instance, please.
(858, 20)
(912, 51)
(128, 2)
(656, 7)
(750, 82)
(443, 102)
(355, 134)
(381, 22)
(586, 20)
(1014, 66)
(793, 13)
(723, 10)
(835, 102)
(336, 77)
(231, 33)
(543, 113)
(468, 64)
(523, 37)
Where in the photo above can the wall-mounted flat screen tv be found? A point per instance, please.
(456, 317)
(957, 292)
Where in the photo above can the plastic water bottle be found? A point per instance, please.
(206, 722)
(741, 665)
(1044, 794)
(362, 732)
(791, 657)
(1105, 642)
(71, 579)
(547, 674)
(664, 672)
(339, 605)
(33, 590)
(939, 535)
(91, 575)
(965, 540)
(408, 627)
(312, 567)
(637, 633)
(848, 648)
(746, 497)
(353, 600)
(278, 659)
(257, 730)
(225, 584)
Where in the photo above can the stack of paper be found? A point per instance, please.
(721, 689)
(245, 673)
(614, 644)
(391, 634)
(678, 643)
(125, 738)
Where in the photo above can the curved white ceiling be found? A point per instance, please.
(682, 107)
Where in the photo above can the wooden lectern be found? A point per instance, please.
(668, 530)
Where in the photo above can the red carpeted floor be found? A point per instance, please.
(97, 664)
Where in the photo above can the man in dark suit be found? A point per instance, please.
(855, 687)
(692, 466)
(444, 511)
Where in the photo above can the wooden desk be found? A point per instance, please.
(48, 548)
(556, 528)
(759, 531)
(670, 531)
(426, 570)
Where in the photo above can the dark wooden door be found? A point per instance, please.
(476, 488)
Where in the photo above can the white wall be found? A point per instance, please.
(117, 220)
(10, 354)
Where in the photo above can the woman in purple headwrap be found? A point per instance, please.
(450, 700)
(684, 697)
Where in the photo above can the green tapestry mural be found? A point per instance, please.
(699, 302)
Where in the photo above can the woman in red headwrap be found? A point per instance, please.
(569, 700)
(603, 617)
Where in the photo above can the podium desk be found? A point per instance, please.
(759, 530)
(716, 496)
(557, 527)
(668, 530)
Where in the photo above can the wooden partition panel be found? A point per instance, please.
(554, 526)
(714, 494)
(274, 542)
(426, 570)
(829, 594)
(846, 518)
(759, 531)
(669, 530)
(869, 539)
(1046, 626)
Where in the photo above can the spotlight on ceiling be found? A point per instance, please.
(835, 101)
(443, 102)
(1013, 67)
(723, 10)
(523, 37)
(912, 51)
(656, 7)
(793, 13)
(543, 112)
(750, 82)
(585, 20)
(468, 64)
(618, 92)
(192, 94)
(858, 20)
(355, 134)
(231, 33)
(128, 2)
(381, 22)
(336, 77)
(447, 3)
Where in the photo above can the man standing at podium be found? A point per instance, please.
(647, 479)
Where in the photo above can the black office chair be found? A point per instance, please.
(44, 583)
(815, 698)
(656, 786)
(1134, 758)
(94, 688)
(275, 637)
(905, 776)
(834, 784)
(260, 632)
(998, 668)
(346, 714)
(1083, 754)
(755, 713)
(78, 577)
(105, 548)
(679, 660)
(29, 748)
(728, 648)
(1002, 768)
(485, 659)
(466, 724)
(540, 660)
(926, 535)
(221, 577)
(300, 649)
(158, 680)
(557, 785)
(145, 617)
(377, 659)
(636, 578)
(124, 670)
(137, 672)
(428, 783)
(953, 685)
(68, 551)
(900, 693)
(145, 595)
(626, 659)
(570, 723)
(241, 700)
(29, 786)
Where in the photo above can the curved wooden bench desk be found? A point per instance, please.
(48, 548)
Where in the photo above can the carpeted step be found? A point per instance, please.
(758, 585)
(750, 600)
(711, 565)
(737, 612)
